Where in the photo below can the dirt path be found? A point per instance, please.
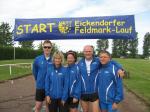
(132, 104)
(19, 97)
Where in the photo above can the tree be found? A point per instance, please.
(102, 44)
(5, 35)
(120, 48)
(54, 48)
(146, 45)
(123, 47)
(26, 44)
(40, 46)
(132, 48)
(115, 52)
(80, 54)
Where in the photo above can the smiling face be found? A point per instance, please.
(70, 59)
(88, 52)
(47, 49)
(57, 61)
(104, 58)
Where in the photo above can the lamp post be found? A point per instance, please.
(14, 50)
(14, 45)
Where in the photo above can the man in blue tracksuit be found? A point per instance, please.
(55, 84)
(88, 68)
(110, 88)
(39, 71)
(73, 89)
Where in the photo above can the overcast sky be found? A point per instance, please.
(11, 9)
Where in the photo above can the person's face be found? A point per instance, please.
(47, 48)
(57, 61)
(104, 58)
(88, 52)
(70, 59)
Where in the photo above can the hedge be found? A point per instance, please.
(20, 53)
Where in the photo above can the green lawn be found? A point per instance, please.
(16, 61)
(18, 70)
(139, 80)
(139, 69)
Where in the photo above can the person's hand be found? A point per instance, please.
(114, 106)
(62, 102)
(48, 99)
(120, 73)
(75, 100)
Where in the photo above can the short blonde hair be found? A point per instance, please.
(58, 54)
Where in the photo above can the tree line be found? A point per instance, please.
(120, 47)
(126, 48)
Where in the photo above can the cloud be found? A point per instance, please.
(11, 9)
(120, 7)
(113, 7)
(36, 8)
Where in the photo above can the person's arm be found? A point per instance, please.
(47, 82)
(35, 69)
(97, 82)
(119, 88)
(119, 67)
(65, 86)
(47, 88)
(77, 92)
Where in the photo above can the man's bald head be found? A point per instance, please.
(88, 51)
(88, 47)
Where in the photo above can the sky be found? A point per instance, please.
(11, 9)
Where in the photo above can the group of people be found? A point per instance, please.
(94, 82)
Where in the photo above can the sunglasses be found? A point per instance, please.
(45, 47)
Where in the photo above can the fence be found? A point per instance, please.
(9, 71)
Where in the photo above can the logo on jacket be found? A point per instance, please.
(94, 63)
(52, 73)
(60, 74)
(82, 64)
(106, 72)
(72, 71)
(42, 62)
(49, 62)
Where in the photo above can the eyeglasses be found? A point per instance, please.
(49, 47)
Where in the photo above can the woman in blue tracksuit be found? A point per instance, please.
(74, 82)
(54, 84)
(110, 88)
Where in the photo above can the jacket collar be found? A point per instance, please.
(106, 65)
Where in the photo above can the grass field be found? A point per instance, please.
(16, 61)
(139, 69)
(139, 80)
(18, 70)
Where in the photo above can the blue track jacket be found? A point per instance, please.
(39, 70)
(88, 82)
(55, 81)
(74, 82)
(110, 88)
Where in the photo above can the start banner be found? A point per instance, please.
(107, 27)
